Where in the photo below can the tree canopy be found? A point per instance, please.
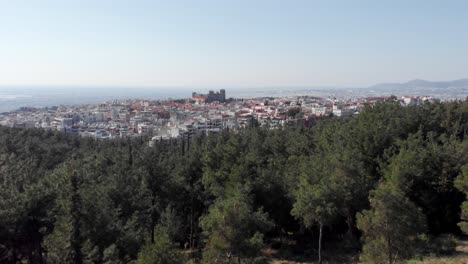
(382, 179)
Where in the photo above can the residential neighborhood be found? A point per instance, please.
(202, 113)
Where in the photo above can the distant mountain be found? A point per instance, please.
(417, 83)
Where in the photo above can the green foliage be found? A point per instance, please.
(233, 229)
(161, 252)
(444, 244)
(315, 201)
(425, 169)
(391, 227)
(462, 184)
(293, 112)
(111, 255)
(61, 195)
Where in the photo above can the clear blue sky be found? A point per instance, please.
(231, 42)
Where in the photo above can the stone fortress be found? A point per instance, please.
(210, 97)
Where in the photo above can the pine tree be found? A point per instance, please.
(462, 184)
(315, 204)
(233, 229)
(391, 227)
(161, 251)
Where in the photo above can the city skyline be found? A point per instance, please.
(231, 44)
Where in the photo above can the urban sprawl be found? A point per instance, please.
(202, 113)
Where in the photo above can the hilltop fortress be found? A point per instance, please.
(210, 97)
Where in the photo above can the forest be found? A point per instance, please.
(385, 186)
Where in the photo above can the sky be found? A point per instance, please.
(239, 43)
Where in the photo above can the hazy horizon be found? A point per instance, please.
(215, 87)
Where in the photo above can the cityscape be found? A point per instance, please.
(201, 113)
